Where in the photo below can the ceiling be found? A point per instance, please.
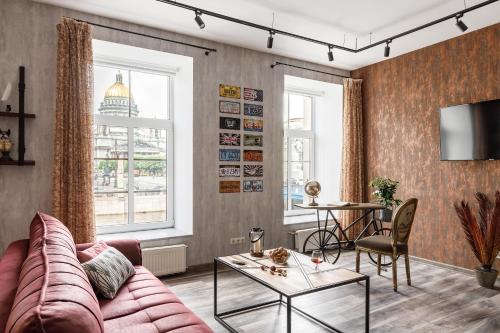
(330, 21)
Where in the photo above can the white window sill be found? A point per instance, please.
(296, 219)
(146, 235)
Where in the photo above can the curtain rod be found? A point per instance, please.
(277, 63)
(207, 49)
(271, 30)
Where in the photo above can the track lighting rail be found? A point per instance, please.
(316, 41)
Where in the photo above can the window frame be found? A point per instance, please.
(301, 134)
(137, 122)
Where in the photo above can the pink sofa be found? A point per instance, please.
(43, 288)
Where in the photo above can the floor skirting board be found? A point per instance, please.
(447, 266)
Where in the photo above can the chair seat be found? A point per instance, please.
(381, 243)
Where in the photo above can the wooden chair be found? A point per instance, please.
(394, 244)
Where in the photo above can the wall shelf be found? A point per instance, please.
(16, 162)
(21, 148)
(16, 115)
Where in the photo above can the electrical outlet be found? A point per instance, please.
(237, 240)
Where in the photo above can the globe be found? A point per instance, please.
(312, 188)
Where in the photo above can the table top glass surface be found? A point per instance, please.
(351, 206)
(301, 275)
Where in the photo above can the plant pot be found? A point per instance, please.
(386, 215)
(486, 279)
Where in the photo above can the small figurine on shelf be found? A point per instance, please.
(6, 95)
(5, 145)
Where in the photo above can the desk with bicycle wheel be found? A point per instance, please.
(325, 239)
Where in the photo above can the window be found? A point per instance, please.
(133, 147)
(312, 144)
(298, 145)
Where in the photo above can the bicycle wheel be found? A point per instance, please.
(325, 241)
(384, 260)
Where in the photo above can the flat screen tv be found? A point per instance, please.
(470, 131)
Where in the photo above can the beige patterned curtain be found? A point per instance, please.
(353, 182)
(72, 171)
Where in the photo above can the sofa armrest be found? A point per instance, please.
(131, 248)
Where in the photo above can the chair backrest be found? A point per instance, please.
(403, 220)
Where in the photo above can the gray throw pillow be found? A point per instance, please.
(108, 271)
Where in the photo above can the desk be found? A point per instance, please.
(326, 240)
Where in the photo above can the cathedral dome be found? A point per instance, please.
(118, 101)
(118, 89)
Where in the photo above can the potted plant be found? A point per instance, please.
(385, 188)
(483, 234)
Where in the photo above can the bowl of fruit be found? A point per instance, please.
(279, 256)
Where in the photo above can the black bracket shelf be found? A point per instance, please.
(21, 148)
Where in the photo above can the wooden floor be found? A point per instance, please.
(440, 300)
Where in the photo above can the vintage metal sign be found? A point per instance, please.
(229, 139)
(254, 125)
(229, 170)
(252, 140)
(255, 95)
(229, 91)
(253, 170)
(229, 155)
(253, 186)
(230, 123)
(252, 155)
(229, 107)
(229, 186)
(253, 110)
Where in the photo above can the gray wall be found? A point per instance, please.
(28, 37)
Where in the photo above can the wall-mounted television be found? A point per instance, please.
(470, 131)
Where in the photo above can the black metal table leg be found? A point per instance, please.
(215, 287)
(367, 305)
(288, 315)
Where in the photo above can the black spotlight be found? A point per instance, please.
(330, 53)
(387, 50)
(270, 40)
(460, 24)
(199, 21)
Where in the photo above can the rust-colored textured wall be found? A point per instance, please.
(401, 99)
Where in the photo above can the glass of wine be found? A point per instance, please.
(317, 258)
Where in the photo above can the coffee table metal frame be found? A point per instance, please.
(285, 299)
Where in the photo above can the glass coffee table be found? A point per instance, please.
(301, 279)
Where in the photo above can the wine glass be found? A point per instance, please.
(317, 258)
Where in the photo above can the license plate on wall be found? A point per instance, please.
(229, 139)
(229, 186)
(252, 140)
(253, 110)
(253, 125)
(255, 95)
(229, 107)
(229, 91)
(253, 170)
(253, 155)
(253, 186)
(229, 155)
(230, 123)
(229, 170)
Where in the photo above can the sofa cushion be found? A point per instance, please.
(53, 294)
(10, 268)
(108, 271)
(144, 304)
(91, 252)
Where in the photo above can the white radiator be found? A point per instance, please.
(165, 260)
(301, 236)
